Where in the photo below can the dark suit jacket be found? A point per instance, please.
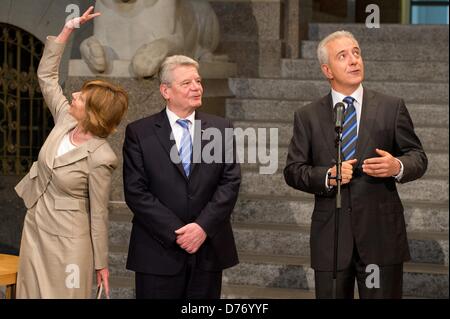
(372, 213)
(163, 199)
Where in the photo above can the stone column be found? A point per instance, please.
(251, 35)
(305, 17)
(292, 28)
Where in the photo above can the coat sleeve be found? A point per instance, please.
(408, 147)
(159, 221)
(48, 78)
(300, 171)
(101, 168)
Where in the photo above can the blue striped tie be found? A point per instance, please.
(185, 151)
(349, 136)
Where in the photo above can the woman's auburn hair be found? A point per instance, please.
(105, 106)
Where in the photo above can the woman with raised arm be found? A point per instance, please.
(66, 192)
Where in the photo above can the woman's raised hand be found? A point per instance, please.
(76, 22)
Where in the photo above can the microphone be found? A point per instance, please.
(339, 110)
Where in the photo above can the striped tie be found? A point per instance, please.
(349, 136)
(185, 151)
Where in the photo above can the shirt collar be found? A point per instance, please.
(339, 97)
(173, 117)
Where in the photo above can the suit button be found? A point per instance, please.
(190, 197)
(349, 210)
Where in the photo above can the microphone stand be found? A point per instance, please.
(338, 179)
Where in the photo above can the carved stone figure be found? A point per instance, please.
(144, 32)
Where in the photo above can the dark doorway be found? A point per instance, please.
(25, 123)
(24, 119)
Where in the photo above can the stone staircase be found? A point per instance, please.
(271, 220)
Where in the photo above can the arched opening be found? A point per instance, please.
(25, 121)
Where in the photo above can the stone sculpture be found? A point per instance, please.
(144, 32)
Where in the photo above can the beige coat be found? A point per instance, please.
(67, 201)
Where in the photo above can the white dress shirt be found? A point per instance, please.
(358, 96)
(65, 146)
(177, 130)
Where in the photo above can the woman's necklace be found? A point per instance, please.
(72, 135)
(77, 133)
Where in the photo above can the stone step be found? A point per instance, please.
(120, 228)
(386, 33)
(424, 189)
(286, 272)
(403, 71)
(376, 51)
(291, 89)
(432, 138)
(294, 240)
(419, 280)
(427, 216)
(121, 278)
(259, 209)
(437, 162)
(117, 262)
(283, 111)
(289, 239)
(257, 292)
(123, 288)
